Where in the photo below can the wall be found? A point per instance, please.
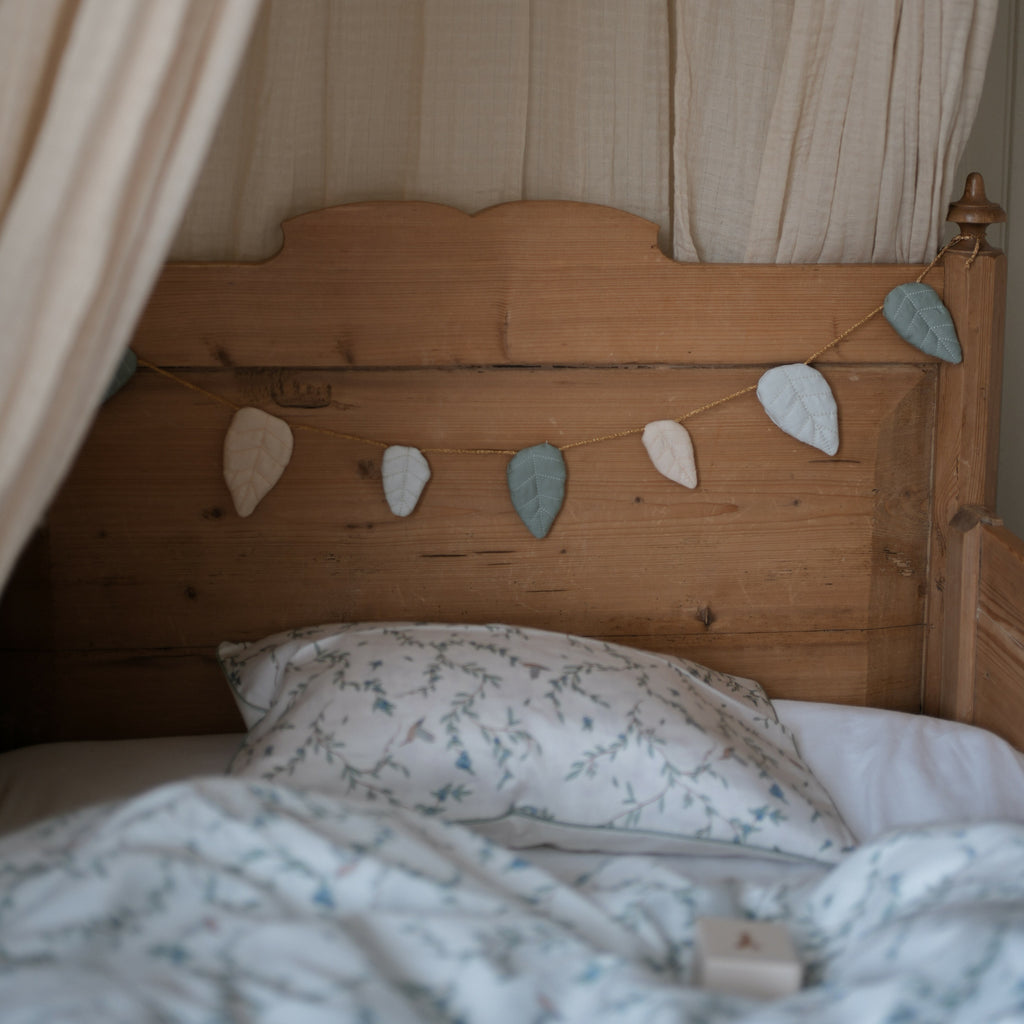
(996, 149)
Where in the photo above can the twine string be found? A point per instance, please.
(187, 383)
(616, 435)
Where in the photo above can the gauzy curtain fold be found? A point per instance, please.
(450, 101)
(861, 142)
(822, 131)
(748, 130)
(106, 110)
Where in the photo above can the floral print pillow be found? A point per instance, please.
(531, 737)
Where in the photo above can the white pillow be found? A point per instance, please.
(532, 737)
(893, 769)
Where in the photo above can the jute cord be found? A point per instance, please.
(632, 431)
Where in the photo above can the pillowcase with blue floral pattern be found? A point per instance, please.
(531, 737)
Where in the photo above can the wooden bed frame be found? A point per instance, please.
(874, 577)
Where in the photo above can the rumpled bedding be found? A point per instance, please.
(228, 899)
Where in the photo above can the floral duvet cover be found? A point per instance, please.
(232, 900)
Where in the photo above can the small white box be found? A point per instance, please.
(746, 958)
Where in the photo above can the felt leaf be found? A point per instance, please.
(257, 448)
(124, 373)
(405, 473)
(920, 317)
(669, 446)
(799, 401)
(536, 484)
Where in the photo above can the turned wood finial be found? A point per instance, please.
(973, 212)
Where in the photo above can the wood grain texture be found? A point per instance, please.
(808, 548)
(560, 322)
(960, 592)
(999, 669)
(984, 629)
(418, 284)
(966, 444)
(116, 694)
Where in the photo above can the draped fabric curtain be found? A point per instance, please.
(454, 101)
(749, 130)
(106, 111)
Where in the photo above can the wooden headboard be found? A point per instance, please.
(411, 323)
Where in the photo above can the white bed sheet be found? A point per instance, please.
(53, 778)
(883, 769)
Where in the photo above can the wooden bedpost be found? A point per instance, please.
(967, 450)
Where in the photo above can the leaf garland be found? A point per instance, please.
(796, 397)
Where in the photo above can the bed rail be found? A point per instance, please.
(967, 450)
(984, 633)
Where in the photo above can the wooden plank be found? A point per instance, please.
(120, 694)
(778, 537)
(125, 694)
(900, 523)
(417, 284)
(966, 444)
(29, 707)
(27, 647)
(960, 607)
(999, 672)
(26, 612)
(876, 668)
(89, 695)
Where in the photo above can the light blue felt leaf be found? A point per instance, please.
(919, 316)
(536, 484)
(799, 401)
(124, 373)
(404, 472)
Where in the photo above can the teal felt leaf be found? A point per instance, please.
(124, 373)
(536, 484)
(919, 316)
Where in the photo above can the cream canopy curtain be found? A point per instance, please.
(106, 111)
(456, 101)
(853, 115)
(749, 130)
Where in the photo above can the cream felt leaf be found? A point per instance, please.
(799, 401)
(405, 473)
(670, 449)
(257, 448)
(536, 484)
